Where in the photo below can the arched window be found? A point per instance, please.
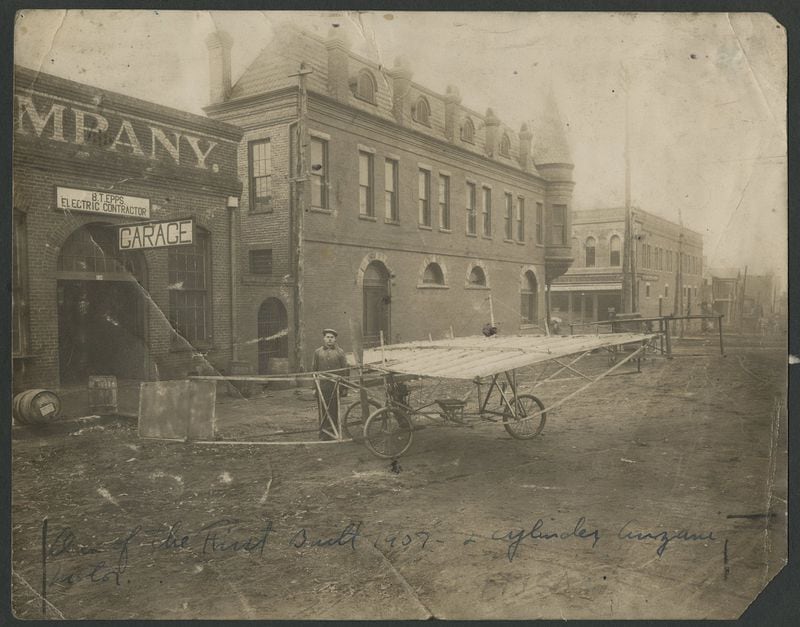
(365, 86)
(614, 259)
(433, 275)
(189, 276)
(468, 131)
(92, 249)
(505, 146)
(529, 299)
(477, 276)
(422, 111)
(590, 249)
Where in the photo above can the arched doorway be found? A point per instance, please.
(529, 301)
(273, 337)
(377, 304)
(101, 308)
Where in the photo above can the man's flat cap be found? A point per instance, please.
(333, 331)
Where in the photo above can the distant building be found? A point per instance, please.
(380, 204)
(667, 267)
(725, 293)
(758, 300)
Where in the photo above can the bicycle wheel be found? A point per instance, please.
(521, 426)
(353, 421)
(388, 433)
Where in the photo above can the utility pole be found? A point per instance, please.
(628, 278)
(741, 300)
(300, 196)
(678, 306)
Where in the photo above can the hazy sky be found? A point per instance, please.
(707, 93)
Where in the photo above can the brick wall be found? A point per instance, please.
(334, 294)
(47, 230)
(177, 183)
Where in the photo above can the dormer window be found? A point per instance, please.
(505, 146)
(365, 86)
(422, 112)
(468, 131)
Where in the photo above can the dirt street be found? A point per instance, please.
(653, 495)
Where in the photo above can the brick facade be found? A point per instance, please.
(420, 130)
(588, 291)
(129, 158)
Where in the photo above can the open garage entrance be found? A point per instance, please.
(101, 307)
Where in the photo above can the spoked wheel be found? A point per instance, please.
(353, 420)
(388, 433)
(522, 426)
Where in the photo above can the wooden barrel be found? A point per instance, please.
(103, 394)
(36, 407)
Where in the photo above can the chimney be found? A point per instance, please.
(492, 123)
(525, 137)
(452, 98)
(401, 81)
(338, 47)
(219, 44)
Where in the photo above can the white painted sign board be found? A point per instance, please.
(156, 234)
(89, 201)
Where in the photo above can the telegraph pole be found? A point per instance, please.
(628, 278)
(299, 179)
(678, 306)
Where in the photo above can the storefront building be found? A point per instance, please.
(667, 267)
(121, 235)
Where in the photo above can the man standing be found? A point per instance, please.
(329, 357)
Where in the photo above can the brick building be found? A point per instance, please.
(87, 161)
(372, 201)
(593, 285)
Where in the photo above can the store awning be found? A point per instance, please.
(586, 287)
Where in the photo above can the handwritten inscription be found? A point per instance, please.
(107, 562)
(663, 537)
(537, 532)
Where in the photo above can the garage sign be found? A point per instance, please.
(156, 234)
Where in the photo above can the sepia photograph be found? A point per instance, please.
(397, 315)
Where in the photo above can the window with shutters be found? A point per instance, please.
(189, 275)
(366, 205)
(539, 223)
(422, 111)
(590, 251)
(471, 216)
(260, 175)
(424, 195)
(529, 299)
(261, 261)
(487, 211)
(390, 190)
(558, 234)
(319, 173)
(614, 246)
(365, 86)
(444, 202)
(508, 218)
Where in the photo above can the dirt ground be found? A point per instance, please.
(653, 495)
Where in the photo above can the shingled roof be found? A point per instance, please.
(291, 45)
